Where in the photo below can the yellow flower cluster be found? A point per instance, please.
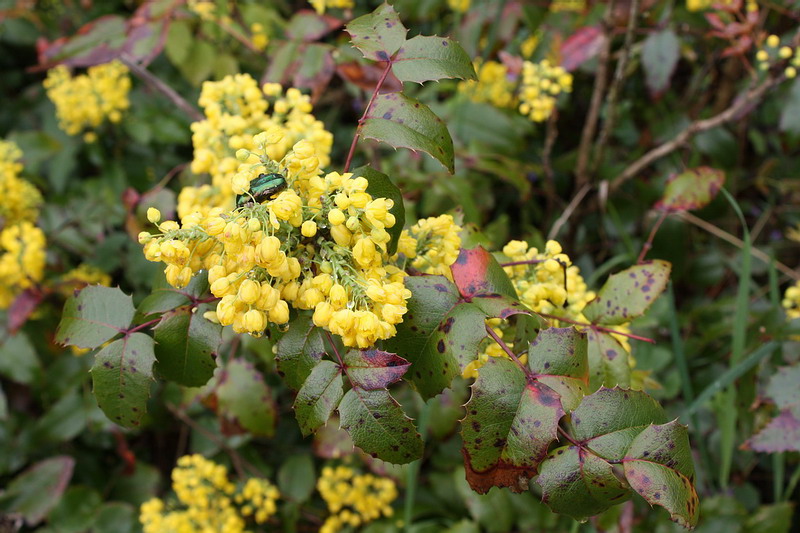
(321, 5)
(259, 36)
(236, 109)
(432, 245)
(85, 101)
(83, 275)
(568, 5)
(208, 501)
(19, 199)
(354, 499)
(773, 52)
(318, 244)
(205, 9)
(460, 6)
(22, 259)
(701, 5)
(541, 84)
(494, 85)
(791, 301)
(528, 46)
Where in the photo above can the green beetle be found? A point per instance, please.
(264, 187)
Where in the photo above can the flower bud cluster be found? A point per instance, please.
(81, 276)
(541, 84)
(19, 199)
(321, 5)
(431, 245)
(773, 53)
(236, 109)
(22, 259)
(354, 499)
(319, 244)
(791, 301)
(87, 100)
(208, 501)
(495, 85)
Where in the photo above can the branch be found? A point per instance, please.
(506, 349)
(597, 328)
(176, 99)
(560, 221)
(364, 116)
(736, 109)
(649, 242)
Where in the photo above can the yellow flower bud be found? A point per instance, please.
(773, 41)
(309, 228)
(144, 237)
(249, 291)
(242, 154)
(221, 287)
(322, 314)
(254, 321)
(338, 296)
(341, 235)
(280, 313)
(153, 215)
(336, 217)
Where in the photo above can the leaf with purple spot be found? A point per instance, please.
(378, 35)
(691, 189)
(96, 315)
(558, 358)
(373, 369)
(628, 294)
(609, 364)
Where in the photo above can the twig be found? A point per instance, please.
(733, 112)
(725, 236)
(506, 349)
(161, 87)
(569, 437)
(597, 328)
(364, 116)
(526, 262)
(550, 141)
(600, 81)
(616, 85)
(560, 221)
(649, 243)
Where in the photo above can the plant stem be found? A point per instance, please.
(526, 262)
(506, 349)
(364, 116)
(412, 476)
(176, 99)
(649, 243)
(597, 328)
(140, 326)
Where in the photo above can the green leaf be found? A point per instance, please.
(116, 517)
(76, 510)
(628, 294)
(378, 34)
(558, 358)
(299, 351)
(377, 425)
(318, 397)
(691, 189)
(790, 110)
(296, 478)
(660, 55)
(18, 359)
(245, 399)
(380, 186)
(38, 489)
(403, 122)
(122, 375)
(185, 347)
(373, 369)
(658, 465)
(432, 58)
(579, 484)
(94, 316)
(179, 39)
(166, 298)
(65, 419)
(511, 421)
(608, 361)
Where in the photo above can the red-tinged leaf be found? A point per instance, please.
(307, 25)
(691, 189)
(366, 76)
(331, 441)
(511, 421)
(782, 433)
(37, 490)
(558, 358)
(581, 46)
(315, 70)
(374, 369)
(658, 465)
(476, 272)
(23, 307)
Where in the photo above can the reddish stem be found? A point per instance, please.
(506, 349)
(649, 243)
(140, 326)
(526, 262)
(597, 328)
(569, 437)
(364, 116)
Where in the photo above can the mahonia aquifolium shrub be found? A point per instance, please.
(207, 501)
(85, 101)
(772, 53)
(354, 499)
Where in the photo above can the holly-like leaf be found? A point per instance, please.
(403, 122)
(299, 351)
(628, 294)
(94, 316)
(440, 333)
(378, 35)
(318, 397)
(584, 44)
(578, 480)
(380, 186)
(660, 55)
(374, 369)
(245, 399)
(658, 465)
(34, 492)
(185, 347)
(608, 361)
(167, 297)
(558, 358)
(511, 421)
(782, 433)
(122, 375)
(691, 189)
(426, 58)
(377, 425)
(477, 272)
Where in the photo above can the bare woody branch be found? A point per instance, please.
(154, 82)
